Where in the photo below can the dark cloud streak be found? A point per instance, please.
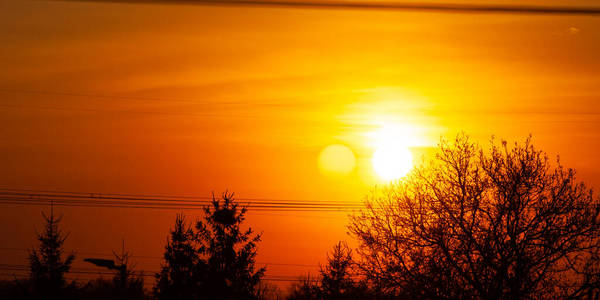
(398, 6)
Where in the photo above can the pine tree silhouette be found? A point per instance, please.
(47, 268)
(215, 261)
(179, 276)
(127, 284)
(228, 251)
(336, 280)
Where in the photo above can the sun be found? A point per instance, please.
(392, 158)
(392, 163)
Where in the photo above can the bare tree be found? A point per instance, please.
(497, 223)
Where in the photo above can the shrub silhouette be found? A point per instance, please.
(502, 223)
(100, 288)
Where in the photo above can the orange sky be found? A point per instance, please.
(185, 100)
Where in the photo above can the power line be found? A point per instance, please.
(152, 257)
(134, 197)
(77, 199)
(393, 6)
(24, 269)
(104, 200)
(177, 207)
(169, 202)
(74, 199)
(169, 207)
(82, 270)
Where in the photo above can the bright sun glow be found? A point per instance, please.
(337, 160)
(392, 158)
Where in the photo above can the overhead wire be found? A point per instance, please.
(74, 199)
(87, 253)
(23, 270)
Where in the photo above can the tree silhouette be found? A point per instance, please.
(336, 280)
(503, 223)
(306, 288)
(127, 284)
(215, 261)
(179, 276)
(228, 252)
(47, 268)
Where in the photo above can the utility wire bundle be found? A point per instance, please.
(78, 199)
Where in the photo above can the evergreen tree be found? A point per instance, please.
(336, 280)
(228, 251)
(305, 288)
(47, 268)
(127, 284)
(215, 261)
(178, 278)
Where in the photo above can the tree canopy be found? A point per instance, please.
(216, 260)
(46, 264)
(494, 223)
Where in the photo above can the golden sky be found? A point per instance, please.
(185, 100)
